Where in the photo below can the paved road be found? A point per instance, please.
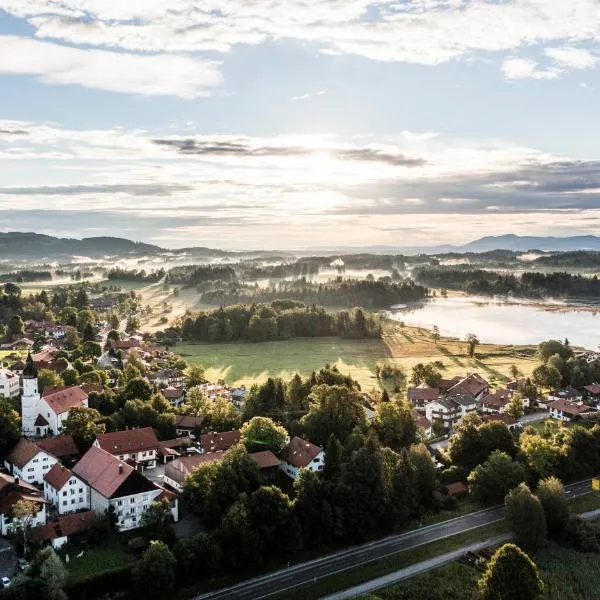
(286, 579)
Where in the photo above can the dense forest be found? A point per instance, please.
(24, 276)
(368, 293)
(193, 275)
(282, 319)
(118, 274)
(530, 285)
(581, 259)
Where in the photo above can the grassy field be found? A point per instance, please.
(247, 363)
(97, 559)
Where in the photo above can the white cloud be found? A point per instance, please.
(569, 57)
(585, 86)
(155, 75)
(524, 68)
(414, 136)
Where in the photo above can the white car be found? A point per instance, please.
(5, 582)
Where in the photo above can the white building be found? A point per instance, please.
(28, 462)
(301, 454)
(444, 411)
(116, 484)
(43, 415)
(10, 386)
(12, 491)
(67, 492)
(565, 410)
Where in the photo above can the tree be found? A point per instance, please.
(514, 371)
(88, 333)
(333, 409)
(491, 481)
(158, 522)
(114, 323)
(48, 378)
(333, 459)
(551, 493)
(197, 555)
(10, 426)
(395, 424)
(540, 454)
(23, 514)
(72, 339)
(526, 516)
(546, 376)
(425, 373)
(435, 334)
(551, 347)
(138, 389)
(84, 425)
(53, 575)
(194, 375)
(510, 575)
(262, 433)
(472, 343)
(515, 406)
(197, 403)
(403, 488)
(15, 328)
(132, 325)
(223, 415)
(91, 349)
(154, 573)
(424, 473)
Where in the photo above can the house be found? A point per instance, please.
(444, 411)
(136, 446)
(238, 396)
(20, 344)
(301, 454)
(445, 385)
(115, 484)
(570, 394)
(61, 446)
(466, 402)
(592, 392)
(187, 425)
(175, 396)
(473, 385)
(566, 410)
(12, 491)
(265, 460)
(64, 529)
(496, 402)
(422, 395)
(212, 442)
(168, 377)
(28, 462)
(10, 384)
(422, 423)
(65, 491)
(507, 420)
(177, 470)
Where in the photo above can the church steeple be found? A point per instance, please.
(30, 370)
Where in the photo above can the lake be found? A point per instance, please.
(504, 322)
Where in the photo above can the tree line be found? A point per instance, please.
(119, 274)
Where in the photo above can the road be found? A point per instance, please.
(312, 571)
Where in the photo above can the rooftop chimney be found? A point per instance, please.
(120, 469)
(17, 481)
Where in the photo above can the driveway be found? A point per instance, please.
(8, 559)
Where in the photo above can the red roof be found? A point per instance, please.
(498, 399)
(23, 452)
(300, 453)
(23, 485)
(60, 446)
(594, 388)
(187, 422)
(570, 408)
(472, 384)
(66, 525)
(213, 442)
(423, 393)
(64, 399)
(265, 459)
(57, 476)
(180, 468)
(457, 487)
(102, 471)
(172, 393)
(129, 441)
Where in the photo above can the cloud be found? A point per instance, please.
(133, 189)
(415, 136)
(307, 96)
(524, 68)
(148, 75)
(569, 57)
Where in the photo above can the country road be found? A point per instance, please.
(312, 571)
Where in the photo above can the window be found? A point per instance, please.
(119, 502)
(35, 460)
(72, 500)
(81, 490)
(30, 470)
(131, 500)
(64, 502)
(45, 459)
(81, 499)
(65, 493)
(145, 497)
(72, 492)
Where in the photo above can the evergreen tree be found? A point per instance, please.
(525, 514)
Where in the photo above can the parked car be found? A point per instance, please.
(5, 582)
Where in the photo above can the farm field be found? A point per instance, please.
(247, 363)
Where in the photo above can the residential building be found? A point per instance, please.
(301, 454)
(114, 483)
(64, 529)
(187, 425)
(168, 377)
(444, 411)
(570, 394)
(213, 442)
(473, 385)
(28, 462)
(592, 392)
(12, 491)
(422, 395)
(175, 396)
(495, 402)
(67, 492)
(56, 403)
(177, 470)
(135, 446)
(265, 460)
(10, 384)
(566, 410)
(61, 446)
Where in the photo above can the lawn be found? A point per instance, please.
(95, 560)
(247, 363)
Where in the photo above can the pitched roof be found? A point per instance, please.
(421, 420)
(570, 408)
(65, 525)
(6, 479)
(265, 459)
(299, 453)
(40, 421)
(188, 422)
(497, 399)
(129, 440)
(594, 388)
(447, 403)
(60, 446)
(23, 452)
(102, 471)
(212, 442)
(64, 399)
(446, 384)
(57, 476)
(472, 384)
(180, 468)
(8, 502)
(172, 393)
(423, 394)
(458, 487)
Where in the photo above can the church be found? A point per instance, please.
(43, 414)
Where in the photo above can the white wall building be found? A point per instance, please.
(28, 462)
(12, 491)
(67, 492)
(10, 385)
(301, 454)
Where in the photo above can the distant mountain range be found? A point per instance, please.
(30, 246)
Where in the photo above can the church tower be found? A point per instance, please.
(30, 398)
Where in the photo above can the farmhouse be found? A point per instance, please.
(28, 462)
(566, 410)
(186, 425)
(301, 454)
(64, 529)
(136, 446)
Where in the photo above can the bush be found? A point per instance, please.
(582, 535)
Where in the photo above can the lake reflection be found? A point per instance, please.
(502, 322)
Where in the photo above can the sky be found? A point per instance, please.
(280, 124)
